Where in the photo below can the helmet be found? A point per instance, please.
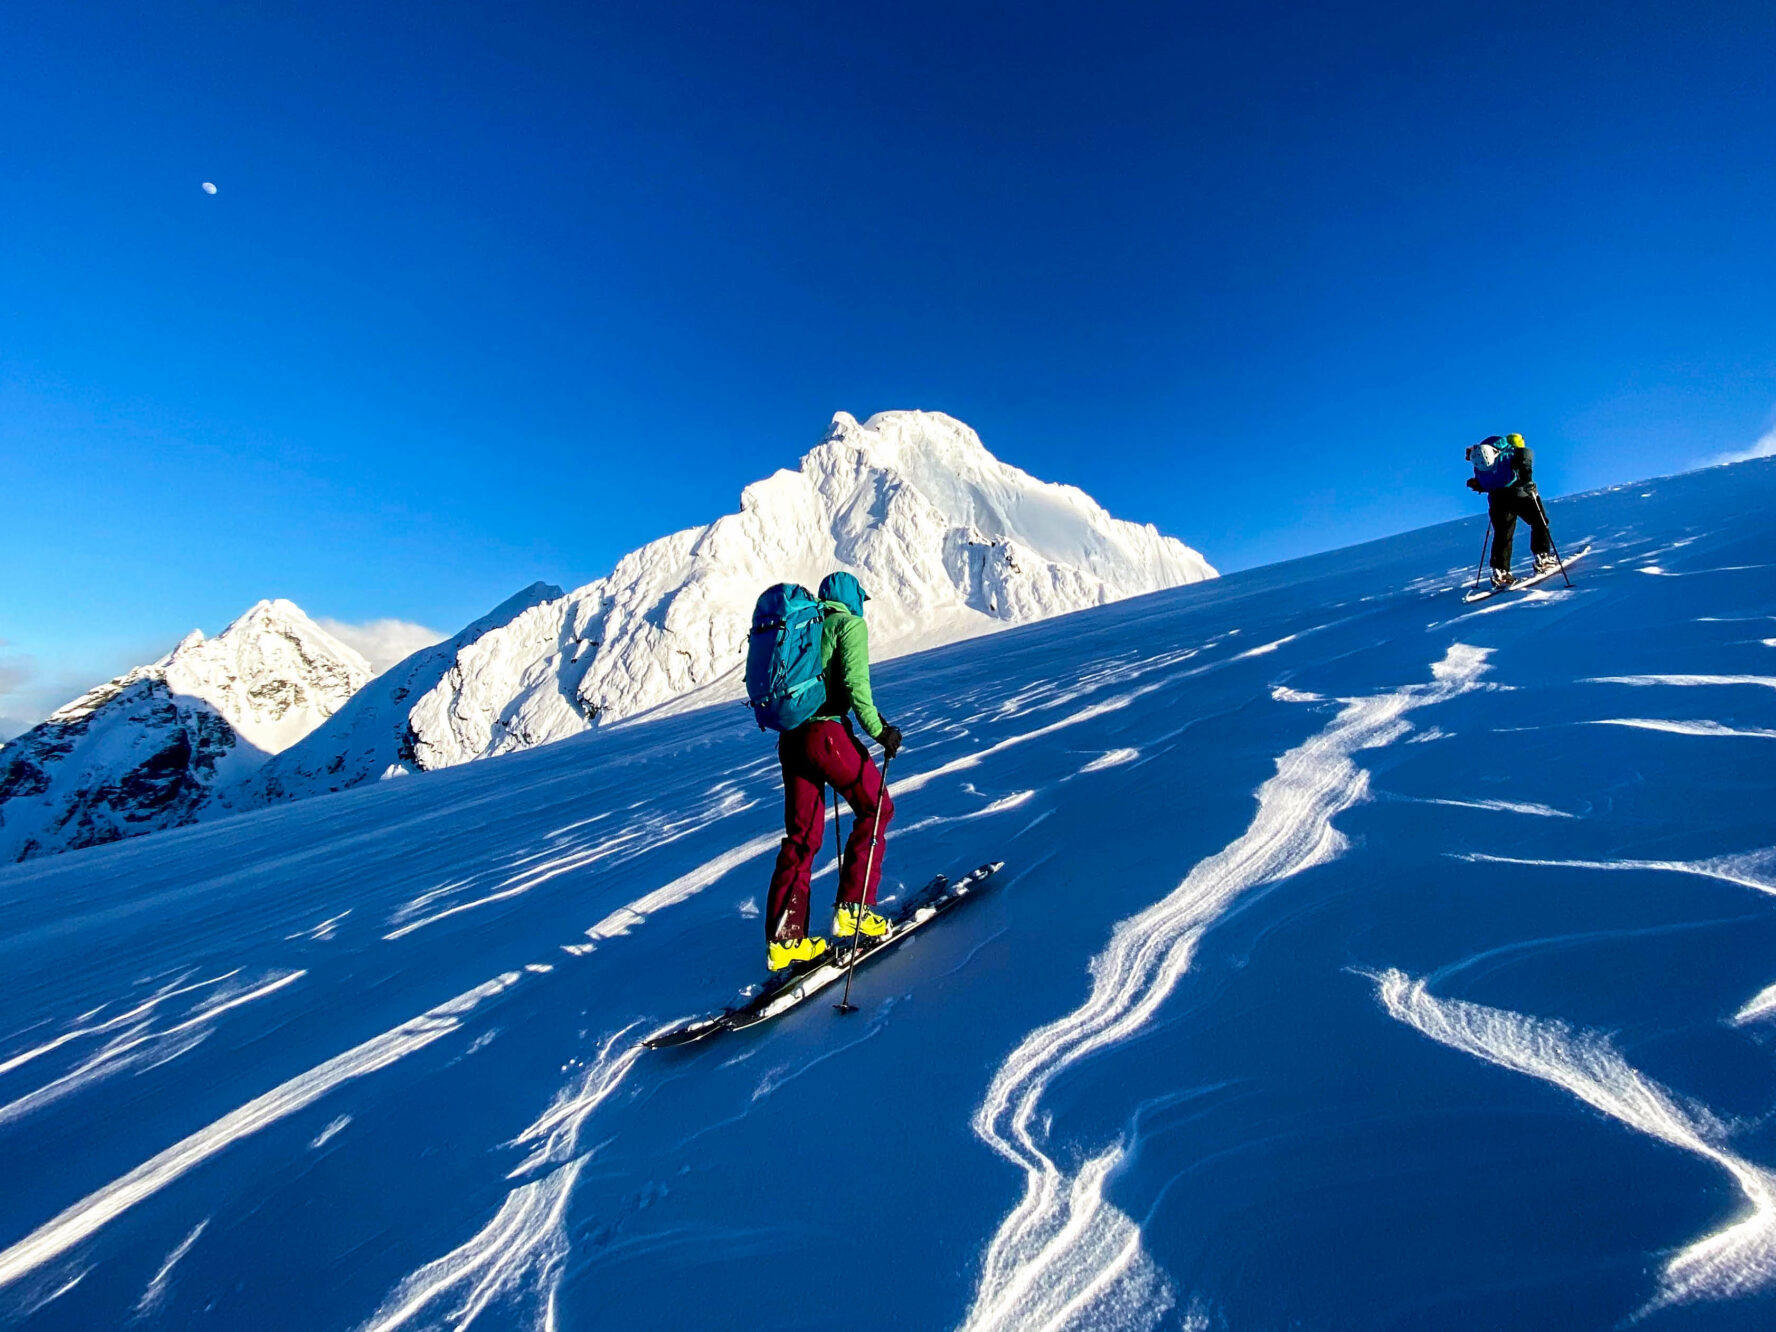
(1515, 441)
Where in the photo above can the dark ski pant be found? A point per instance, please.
(815, 756)
(1506, 507)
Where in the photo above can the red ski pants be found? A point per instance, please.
(815, 756)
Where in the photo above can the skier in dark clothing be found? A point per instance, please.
(826, 752)
(1504, 471)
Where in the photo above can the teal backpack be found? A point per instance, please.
(784, 683)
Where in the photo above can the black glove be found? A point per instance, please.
(889, 739)
(1473, 483)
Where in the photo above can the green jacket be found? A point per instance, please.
(844, 657)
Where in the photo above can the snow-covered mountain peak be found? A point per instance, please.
(911, 441)
(373, 736)
(950, 542)
(273, 673)
(145, 750)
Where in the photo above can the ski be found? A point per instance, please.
(801, 983)
(1485, 593)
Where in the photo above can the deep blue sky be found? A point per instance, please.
(492, 293)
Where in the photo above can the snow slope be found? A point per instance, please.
(1363, 960)
(146, 750)
(949, 542)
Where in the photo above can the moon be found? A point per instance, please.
(208, 188)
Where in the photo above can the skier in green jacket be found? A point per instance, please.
(826, 752)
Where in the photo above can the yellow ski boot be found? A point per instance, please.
(846, 925)
(787, 952)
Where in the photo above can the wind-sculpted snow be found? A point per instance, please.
(138, 1042)
(1066, 1257)
(1132, 1082)
(1733, 1261)
(1503, 806)
(639, 837)
(1115, 758)
(1747, 869)
(1760, 1006)
(98, 1209)
(157, 1284)
(516, 1258)
(1679, 726)
(1687, 681)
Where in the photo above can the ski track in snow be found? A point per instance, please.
(1748, 869)
(1735, 1260)
(1064, 1256)
(98, 1209)
(1685, 727)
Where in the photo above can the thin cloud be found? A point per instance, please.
(383, 642)
(1764, 448)
(15, 672)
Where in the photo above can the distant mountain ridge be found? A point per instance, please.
(949, 541)
(149, 749)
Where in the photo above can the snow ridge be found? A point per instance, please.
(949, 541)
(1064, 1257)
(148, 749)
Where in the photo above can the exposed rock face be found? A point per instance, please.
(148, 749)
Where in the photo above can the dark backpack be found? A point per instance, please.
(784, 683)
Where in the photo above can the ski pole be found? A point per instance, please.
(845, 1005)
(1549, 529)
(1485, 541)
